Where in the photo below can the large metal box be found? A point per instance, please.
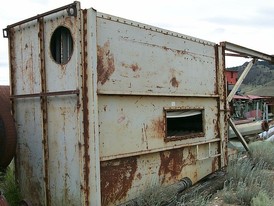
(107, 107)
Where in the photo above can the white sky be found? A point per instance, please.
(249, 23)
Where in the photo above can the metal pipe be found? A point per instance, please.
(257, 111)
(233, 126)
(151, 93)
(246, 51)
(46, 94)
(71, 9)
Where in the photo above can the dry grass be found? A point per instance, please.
(250, 178)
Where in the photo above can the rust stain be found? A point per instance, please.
(105, 63)
(158, 126)
(29, 67)
(44, 109)
(86, 115)
(121, 119)
(172, 163)
(68, 22)
(29, 73)
(25, 169)
(13, 62)
(139, 176)
(178, 52)
(174, 82)
(144, 135)
(191, 158)
(134, 67)
(195, 177)
(216, 83)
(215, 165)
(116, 178)
(165, 48)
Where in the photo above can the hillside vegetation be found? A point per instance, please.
(260, 79)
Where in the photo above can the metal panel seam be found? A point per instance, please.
(44, 109)
(85, 111)
(152, 28)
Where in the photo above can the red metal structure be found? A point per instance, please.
(231, 76)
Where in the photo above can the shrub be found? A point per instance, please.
(9, 187)
(262, 199)
(262, 151)
(247, 179)
(196, 201)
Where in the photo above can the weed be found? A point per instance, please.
(197, 200)
(262, 199)
(228, 193)
(248, 177)
(262, 151)
(9, 187)
(157, 196)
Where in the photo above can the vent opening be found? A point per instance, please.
(61, 45)
(183, 124)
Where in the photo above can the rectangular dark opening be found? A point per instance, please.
(184, 124)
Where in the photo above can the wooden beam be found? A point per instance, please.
(238, 134)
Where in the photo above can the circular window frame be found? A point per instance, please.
(61, 45)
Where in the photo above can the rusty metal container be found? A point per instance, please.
(107, 107)
(7, 128)
(3, 201)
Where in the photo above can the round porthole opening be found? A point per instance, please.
(61, 45)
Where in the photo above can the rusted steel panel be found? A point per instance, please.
(65, 157)
(64, 124)
(26, 76)
(29, 158)
(86, 112)
(222, 127)
(95, 129)
(126, 178)
(135, 59)
(27, 112)
(92, 136)
(132, 124)
(65, 76)
(50, 159)
(138, 69)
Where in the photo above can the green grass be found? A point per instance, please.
(262, 151)
(262, 199)
(9, 187)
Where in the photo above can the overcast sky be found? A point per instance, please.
(249, 23)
